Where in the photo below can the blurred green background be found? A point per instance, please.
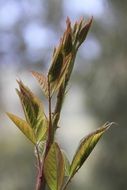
(29, 29)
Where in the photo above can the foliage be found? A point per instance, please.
(54, 169)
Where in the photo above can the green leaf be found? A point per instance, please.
(41, 149)
(42, 80)
(54, 168)
(33, 110)
(66, 164)
(23, 126)
(85, 148)
(30, 103)
(54, 85)
(41, 130)
(57, 63)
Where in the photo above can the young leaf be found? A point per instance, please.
(85, 148)
(67, 38)
(66, 164)
(76, 29)
(42, 80)
(33, 110)
(30, 104)
(84, 31)
(80, 31)
(23, 126)
(57, 83)
(41, 130)
(57, 62)
(54, 168)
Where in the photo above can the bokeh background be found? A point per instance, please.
(29, 30)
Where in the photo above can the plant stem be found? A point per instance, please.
(38, 158)
(41, 182)
(50, 130)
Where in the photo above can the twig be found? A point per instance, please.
(38, 158)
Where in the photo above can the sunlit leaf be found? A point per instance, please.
(33, 110)
(85, 148)
(42, 80)
(54, 168)
(23, 126)
(41, 149)
(41, 130)
(30, 103)
(66, 164)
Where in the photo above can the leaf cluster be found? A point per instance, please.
(54, 168)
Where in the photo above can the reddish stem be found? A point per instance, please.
(41, 182)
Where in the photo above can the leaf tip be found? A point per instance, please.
(110, 124)
(7, 113)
